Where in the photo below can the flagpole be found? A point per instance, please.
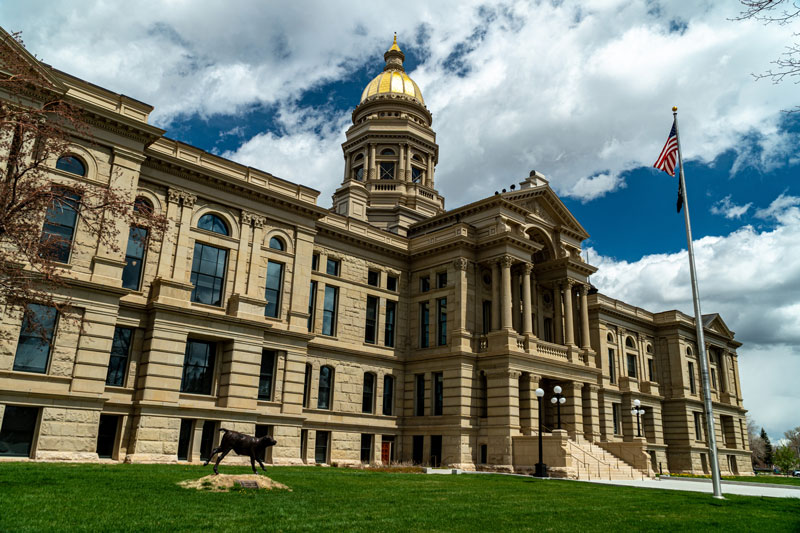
(698, 319)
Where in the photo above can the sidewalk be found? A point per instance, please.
(704, 485)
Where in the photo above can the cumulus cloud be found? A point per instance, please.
(730, 210)
(580, 91)
(750, 277)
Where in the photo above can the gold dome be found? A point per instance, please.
(393, 79)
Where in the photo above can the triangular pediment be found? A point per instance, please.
(714, 323)
(43, 71)
(545, 205)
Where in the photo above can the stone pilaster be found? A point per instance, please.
(585, 344)
(591, 412)
(495, 296)
(503, 411)
(505, 266)
(569, 331)
(527, 311)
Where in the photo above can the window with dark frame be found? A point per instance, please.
(266, 376)
(650, 370)
(312, 304)
(36, 339)
(441, 321)
(487, 316)
(417, 446)
(134, 258)
(276, 243)
(274, 286)
(441, 280)
(484, 396)
(371, 325)
(185, 438)
(368, 393)
(612, 371)
(438, 393)
(60, 221)
(71, 164)
(329, 310)
(388, 395)
(366, 447)
(692, 387)
(333, 266)
(118, 361)
(391, 283)
(213, 223)
(424, 283)
(208, 274)
(198, 367)
(424, 324)
(419, 395)
(631, 365)
(416, 174)
(307, 385)
(698, 426)
(315, 262)
(374, 278)
(387, 170)
(389, 326)
(321, 447)
(17, 431)
(325, 387)
(107, 436)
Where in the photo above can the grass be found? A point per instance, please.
(775, 480)
(58, 497)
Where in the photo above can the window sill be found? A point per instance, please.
(36, 375)
(219, 308)
(117, 388)
(196, 396)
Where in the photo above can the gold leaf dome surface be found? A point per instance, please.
(393, 79)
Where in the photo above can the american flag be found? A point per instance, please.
(669, 154)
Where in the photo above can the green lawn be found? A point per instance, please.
(59, 497)
(775, 480)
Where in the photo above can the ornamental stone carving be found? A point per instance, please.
(461, 264)
(506, 261)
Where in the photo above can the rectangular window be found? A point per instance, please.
(416, 174)
(374, 278)
(612, 371)
(548, 329)
(692, 387)
(387, 171)
(333, 267)
(424, 325)
(198, 367)
(714, 378)
(315, 262)
(325, 387)
(424, 283)
(368, 393)
(419, 395)
(631, 365)
(16, 434)
(366, 448)
(59, 226)
(436, 451)
(312, 304)
(207, 439)
(118, 362)
(417, 443)
(307, 385)
(487, 316)
(483, 399)
(698, 426)
(371, 326)
(107, 436)
(484, 454)
(391, 317)
(391, 283)
(266, 376)
(650, 370)
(35, 339)
(441, 280)
(208, 274)
(438, 393)
(388, 395)
(272, 293)
(616, 410)
(329, 310)
(304, 445)
(185, 438)
(321, 447)
(134, 258)
(441, 321)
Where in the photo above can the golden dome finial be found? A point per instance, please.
(394, 44)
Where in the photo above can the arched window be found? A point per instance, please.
(610, 337)
(649, 348)
(629, 343)
(325, 387)
(213, 223)
(142, 205)
(368, 393)
(416, 157)
(71, 164)
(688, 350)
(387, 151)
(276, 244)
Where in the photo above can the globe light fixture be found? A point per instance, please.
(638, 411)
(541, 468)
(558, 400)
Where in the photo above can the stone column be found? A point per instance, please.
(401, 162)
(572, 410)
(503, 411)
(181, 270)
(170, 236)
(408, 162)
(372, 161)
(301, 281)
(585, 344)
(347, 174)
(495, 295)
(527, 312)
(569, 332)
(429, 174)
(505, 264)
(460, 337)
(529, 405)
(242, 255)
(591, 412)
(539, 309)
(558, 330)
(255, 258)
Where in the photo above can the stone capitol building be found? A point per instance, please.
(384, 329)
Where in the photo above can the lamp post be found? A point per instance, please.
(541, 468)
(637, 410)
(557, 400)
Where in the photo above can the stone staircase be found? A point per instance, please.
(590, 461)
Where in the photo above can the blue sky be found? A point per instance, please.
(580, 91)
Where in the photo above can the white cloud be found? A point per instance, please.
(750, 277)
(730, 210)
(780, 208)
(579, 91)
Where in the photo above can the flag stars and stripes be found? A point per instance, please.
(669, 154)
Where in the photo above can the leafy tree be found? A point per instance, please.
(767, 447)
(39, 123)
(785, 459)
(781, 13)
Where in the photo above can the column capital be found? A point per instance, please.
(569, 283)
(527, 268)
(506, 261)
(461, 264)
(174, 195)
(189, 199)
(584, 289)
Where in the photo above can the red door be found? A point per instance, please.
(386, 452)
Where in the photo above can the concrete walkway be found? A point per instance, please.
(704, 485)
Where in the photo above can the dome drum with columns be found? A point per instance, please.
(390, 153)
